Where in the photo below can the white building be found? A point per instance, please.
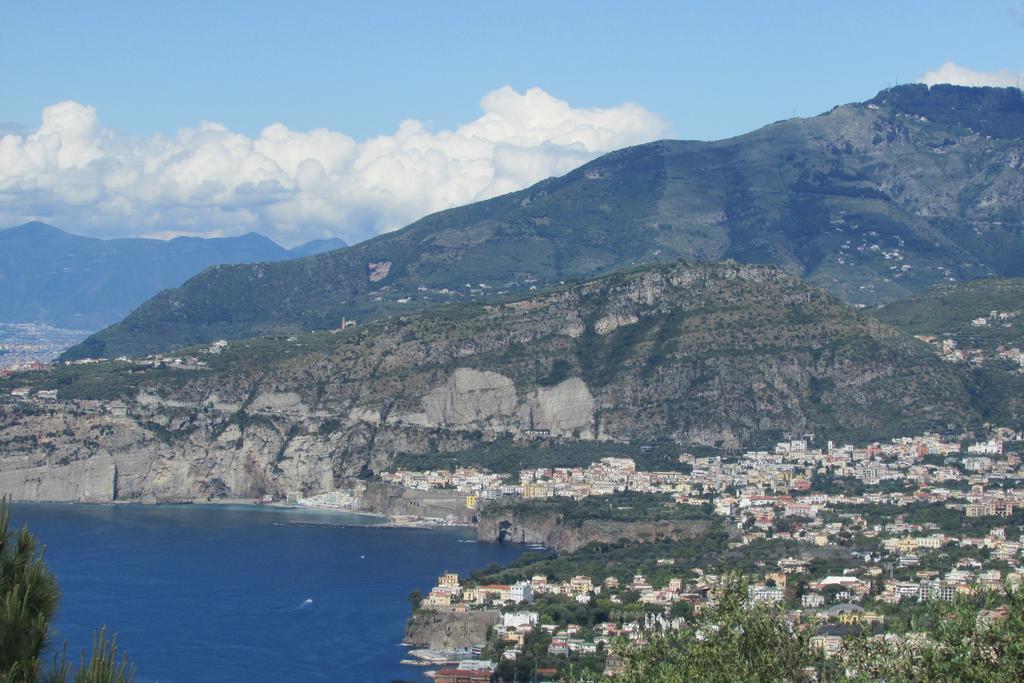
(521, 591)
(518, 619)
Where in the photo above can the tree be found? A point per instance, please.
(681, 608)
(415, 600)
(960, 646)
(736, 641)
(102, 666)
(731, 641)
(28, 602)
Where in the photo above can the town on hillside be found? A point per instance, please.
(872, 535)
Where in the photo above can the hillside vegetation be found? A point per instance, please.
(984, 320)
(951, 309)
(871, 201)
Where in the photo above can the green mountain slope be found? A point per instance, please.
(952, 309)
(51, 276)
(706, 353)
(871, 201)
(978, 324)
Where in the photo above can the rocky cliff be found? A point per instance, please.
(60, 452)
(450, 630)
(553, 533)
(715, 354)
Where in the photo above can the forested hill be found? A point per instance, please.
(987, 314)
(872, 201)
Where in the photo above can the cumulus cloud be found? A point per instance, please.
(292, 185)
(953, 74)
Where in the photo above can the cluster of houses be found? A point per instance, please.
(451, 595)
(782, 481)
(159, 360)
(779, 494)
(951, 351)
(14, 367)
(467, 480)
(1012, 354)
(836, 603)
(995, 318)
(604, 477)
(961, 351)
(517, 622)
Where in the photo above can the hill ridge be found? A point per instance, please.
(866, 200)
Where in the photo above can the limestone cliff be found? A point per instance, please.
(470, 396)
(552, 532)
(450, 630)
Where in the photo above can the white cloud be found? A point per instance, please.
(954, 74)
(293, 185)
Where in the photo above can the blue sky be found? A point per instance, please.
(713, 69)
(709, 70)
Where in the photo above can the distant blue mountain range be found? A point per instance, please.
(51, 276)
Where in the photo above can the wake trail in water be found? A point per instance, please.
(295, 608)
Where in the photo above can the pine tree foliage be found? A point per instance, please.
(103, 666)
(28, 602)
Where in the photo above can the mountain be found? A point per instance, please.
(50, 276)
(871, 201)
(313, 247)
(722, 354)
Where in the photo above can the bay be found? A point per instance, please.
(240, 593)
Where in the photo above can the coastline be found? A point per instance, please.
(384, 521)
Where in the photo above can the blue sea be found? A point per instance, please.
(235, 593)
